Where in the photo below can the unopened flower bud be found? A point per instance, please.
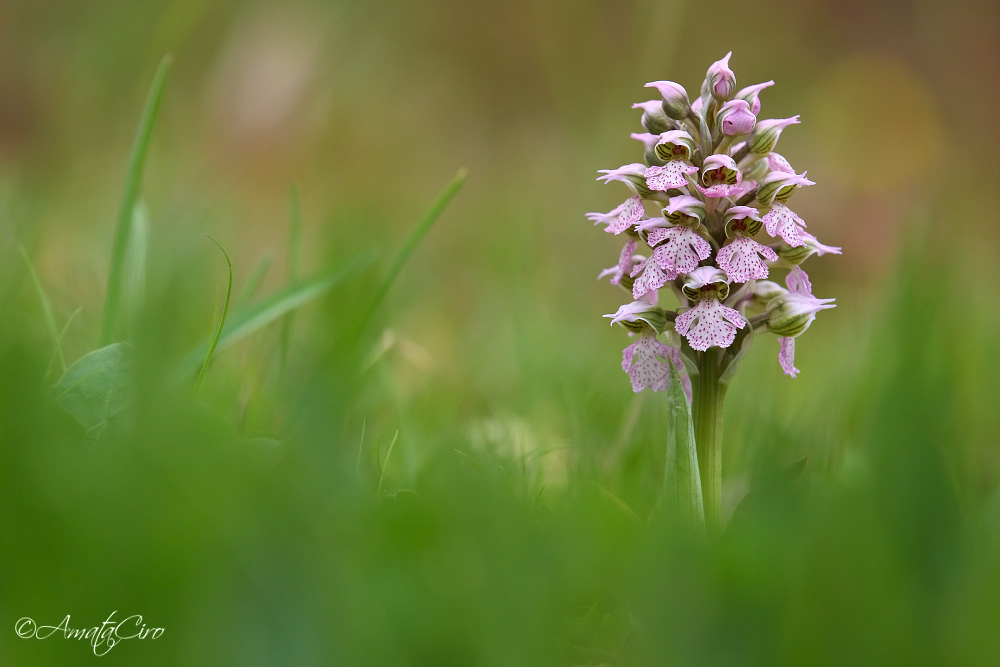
(793, 312)
(779, 186)
(720, 81)
(654, 120)
(674, 145)
(735, 118)
(793, 256)
(675, 99)
(742, 221)
(706, 282)
(765, 135)
(752, 95)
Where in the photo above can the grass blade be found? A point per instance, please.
(418, 233)
(225, 312)
(133, 185)
(135, 266)
(258, 316)
(294, 259)
(254, 281)
(57, 353)
(50, 320)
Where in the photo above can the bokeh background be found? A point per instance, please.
(515, 522)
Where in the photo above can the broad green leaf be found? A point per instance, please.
(682, 483)
(97, 391)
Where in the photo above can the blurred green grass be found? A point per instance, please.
(517, 523)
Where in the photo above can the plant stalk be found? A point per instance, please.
(709, 396)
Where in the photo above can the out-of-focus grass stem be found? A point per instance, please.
(133, 186)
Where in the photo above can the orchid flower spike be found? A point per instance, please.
(724, 228)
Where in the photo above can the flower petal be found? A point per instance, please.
(782, 221)
(646, 362)
(741, 260)
(624, 263)
(786, 356)
(652, 278)
(681, 250)
(670, 175)
(621, 217)
(709, 324)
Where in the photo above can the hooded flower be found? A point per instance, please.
(709, 323)
(721, 176)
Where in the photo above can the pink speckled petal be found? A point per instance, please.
(646, 362)
(782, 222)
(723, 190)
(741, 260)
(624, 263)
(709, 324)
(670, 175)
(798, 281)
(651, 279)
(622, 217)
(681, 250)
(786, 356)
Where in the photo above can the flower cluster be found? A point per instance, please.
(722, 223)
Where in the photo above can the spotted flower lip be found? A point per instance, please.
(649, 277)
(621, 217)
(709, 324)
(721, 176)
(752, 95)
(678, 250)
(669, 176)
(782, 222)
(741, 259)
(647, 362)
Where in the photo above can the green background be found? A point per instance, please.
(515, 522)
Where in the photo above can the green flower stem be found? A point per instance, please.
(709, 396)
